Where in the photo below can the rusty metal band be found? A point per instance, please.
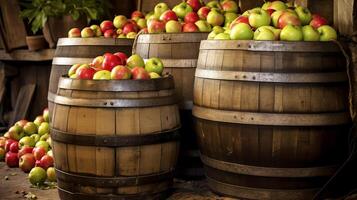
(94, 42)
(115, 103)
(259, 193)
(70, 61)
(178, 63)
(271, 46)
(100, 181)
(171, 38)
(271, 119)
(328, 77)
(269, 171)
(117, 85)
(67, 195)
(115, 140)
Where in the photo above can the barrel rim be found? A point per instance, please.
(274, 46)
(95, 41)
(129, 85)
(149, 38)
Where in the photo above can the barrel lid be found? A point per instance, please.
(278, 46)
(172, 38)
(94, 41)
(163, 83)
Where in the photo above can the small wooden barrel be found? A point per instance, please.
(115, 139)
(72, 51)
(179, 53)
(272, 117)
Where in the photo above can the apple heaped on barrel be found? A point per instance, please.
(118, 66)
(275, 20)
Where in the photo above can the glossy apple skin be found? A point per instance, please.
(120, 72)
(27, 162)
(195, 4)
(168, 15)
(122, 56)
(24, 150)
(38, 152)
(318, 21)
(156, 26)
(288, 18)
(191, 17)
(110, 61)
(74, 32)
(137, 14)
(8, 144)
(189, 27)
(140, 73)
(11, 159)
(110, 33)
(130, 27)
(203, 12)
(85, 72)
(106, 25)
(14, 147)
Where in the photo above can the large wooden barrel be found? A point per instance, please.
(115, 139)
(72, 51)
(179, 53)
(272, 117)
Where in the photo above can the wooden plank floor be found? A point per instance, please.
(17, 185)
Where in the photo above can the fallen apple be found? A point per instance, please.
(37, 176)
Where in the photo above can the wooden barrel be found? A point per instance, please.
(115, 139)
(72, 51)
(272, 117)
(179, 53)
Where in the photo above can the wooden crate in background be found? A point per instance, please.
(12, 28)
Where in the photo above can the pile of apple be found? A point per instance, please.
(27, 145)
(118, 66)
(191, 16)
(277, 21)
(120, 27)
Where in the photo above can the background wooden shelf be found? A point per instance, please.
(26, 55)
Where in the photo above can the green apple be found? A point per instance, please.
(131, 35)
(229, 6)
(215, 18)
(119, 21)
(135, 61)
(264, 34)
(215, 31)
(258, 18)
(27, 141)
(304, 15)
(160, 8)
(51, 174)
(35, 137)
(44, 137)
(327, 33)
(102, 75)
(275, 17)
(241, 31)
(173, 26)
(121, 36)
(96, 29)
(43, 144)
(30, 128)
(278, 5)
(222, 36)
(229, 18)
(149, 14)
(310, 34)
(141, 23)
(291, 33)
(182, 9)
(214, 4)
(154, 75)
(73, 76)
(272, 29)
(218, 29)
(154, 65)
(43, 128)
(37, 176)
(266, 5)
(203, 26)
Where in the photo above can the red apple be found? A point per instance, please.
(122, 56)
(85, 72)
(46, 162)
(8, 144)
(318, 21)
(156, 26)
(38, 163)
(270, 11)
(130, 27)
(240, 19)
(11, 159)
(74, 32)
(110, 61)
(39, 152)
(195, 4)
(110, 33)
(120, 72)
(189, 27)
(24, 150)
(22, 122)
(203, 12)
(168, 15)
(14, 147)
(288, 18)
(106, 25)
(191, 17)
(140, 73)
(137, 14)
(27, 162)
